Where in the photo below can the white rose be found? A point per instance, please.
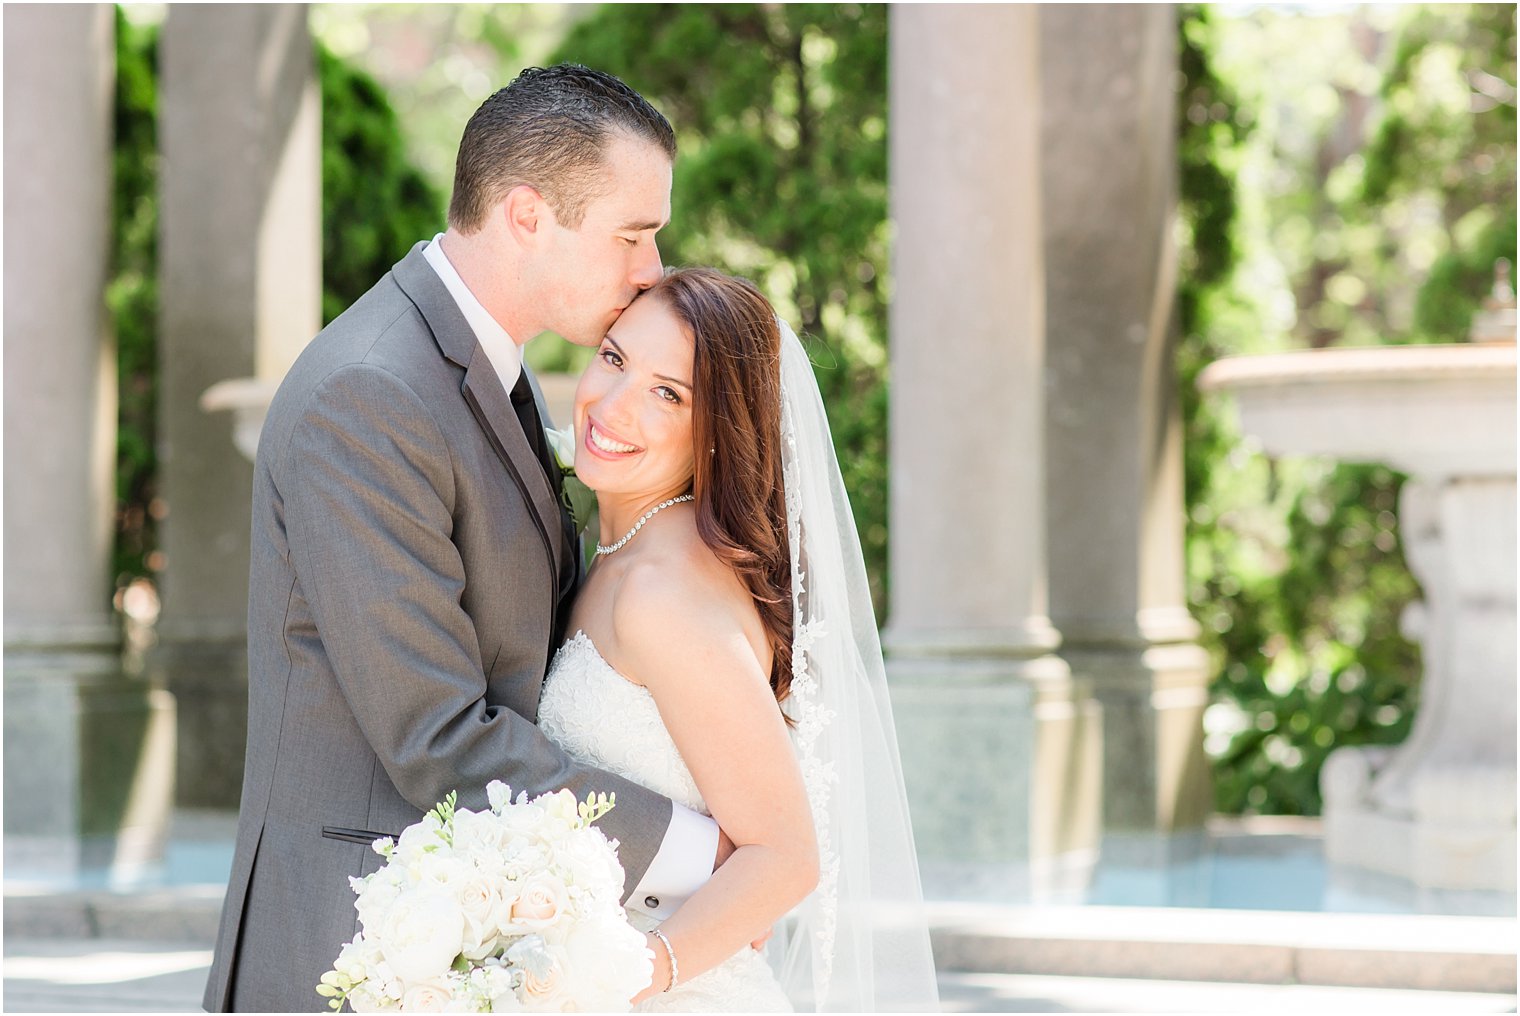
(521, 820)
(608, 963)
(540, 901)
(375, 901)
(487, 907)
(427, 996)
(593, 863)
(482, 830)
(561, 814)
(419, 838)
(444, 871)
(421, 934)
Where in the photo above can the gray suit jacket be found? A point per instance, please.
(408, 558)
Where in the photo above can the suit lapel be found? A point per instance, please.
(487, 399)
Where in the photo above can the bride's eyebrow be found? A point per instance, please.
(674, 381)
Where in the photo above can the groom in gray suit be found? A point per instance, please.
(412, 564)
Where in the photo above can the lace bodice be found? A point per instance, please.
(603, 719)
(600, 717)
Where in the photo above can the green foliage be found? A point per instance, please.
(375, 206)
(132, 297)
(780, 111)
(1447, 137)
(375, 203)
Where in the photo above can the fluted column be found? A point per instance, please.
(1001, 749)
(240, 294)
(86, 755)
(1114, 429)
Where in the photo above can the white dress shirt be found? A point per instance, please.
(683, 864)
(504, 353)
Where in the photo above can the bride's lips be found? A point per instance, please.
(596, 432)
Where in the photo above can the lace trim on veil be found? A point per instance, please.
(810, 715)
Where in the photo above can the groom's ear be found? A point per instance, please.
(526, 213)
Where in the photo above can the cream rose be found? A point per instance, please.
(543, 984)
(427, 996)
(540, 901)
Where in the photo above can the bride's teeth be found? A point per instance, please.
(606, 444)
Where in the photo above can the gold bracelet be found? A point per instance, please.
(675, 968)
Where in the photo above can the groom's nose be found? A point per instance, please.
(646, 267)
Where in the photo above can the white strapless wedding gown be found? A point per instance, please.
(603, 719)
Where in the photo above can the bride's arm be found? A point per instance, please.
(681, 635)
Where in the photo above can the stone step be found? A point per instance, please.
(1396, 951)
(178, 914)
(1422, 952)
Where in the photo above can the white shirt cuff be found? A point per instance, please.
(681, 866)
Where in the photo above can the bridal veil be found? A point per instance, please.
(860, 941)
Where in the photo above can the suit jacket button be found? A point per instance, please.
(652, 902)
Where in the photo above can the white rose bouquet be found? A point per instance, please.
(515, 909)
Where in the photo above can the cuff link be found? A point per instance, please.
(652, 902)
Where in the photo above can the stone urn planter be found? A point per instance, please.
(1438, 809)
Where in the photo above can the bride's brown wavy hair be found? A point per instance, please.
(736, 434)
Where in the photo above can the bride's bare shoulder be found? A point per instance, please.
(681, 598)
(679, 578)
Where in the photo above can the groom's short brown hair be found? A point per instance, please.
(548, 129)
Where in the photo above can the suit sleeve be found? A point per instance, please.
(367, 489)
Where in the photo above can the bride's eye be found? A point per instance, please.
(670, 395)
(611, 357)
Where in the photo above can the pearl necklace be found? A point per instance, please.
(651, 513)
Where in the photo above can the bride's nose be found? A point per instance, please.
(617, 405)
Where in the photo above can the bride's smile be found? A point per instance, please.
(599, 441)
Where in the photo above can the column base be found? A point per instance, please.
(1002, 760)
(209, 679)
(1156, 776)
(89, 764)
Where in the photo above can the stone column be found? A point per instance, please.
(240, 294)
(86, 750)
(1001, 749)
(1114, 437)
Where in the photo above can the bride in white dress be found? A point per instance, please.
(725, 656)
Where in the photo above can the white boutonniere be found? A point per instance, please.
(578, 498)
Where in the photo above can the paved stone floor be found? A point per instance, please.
(144, 948)
(118, 975)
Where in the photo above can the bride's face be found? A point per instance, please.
(633, 406)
